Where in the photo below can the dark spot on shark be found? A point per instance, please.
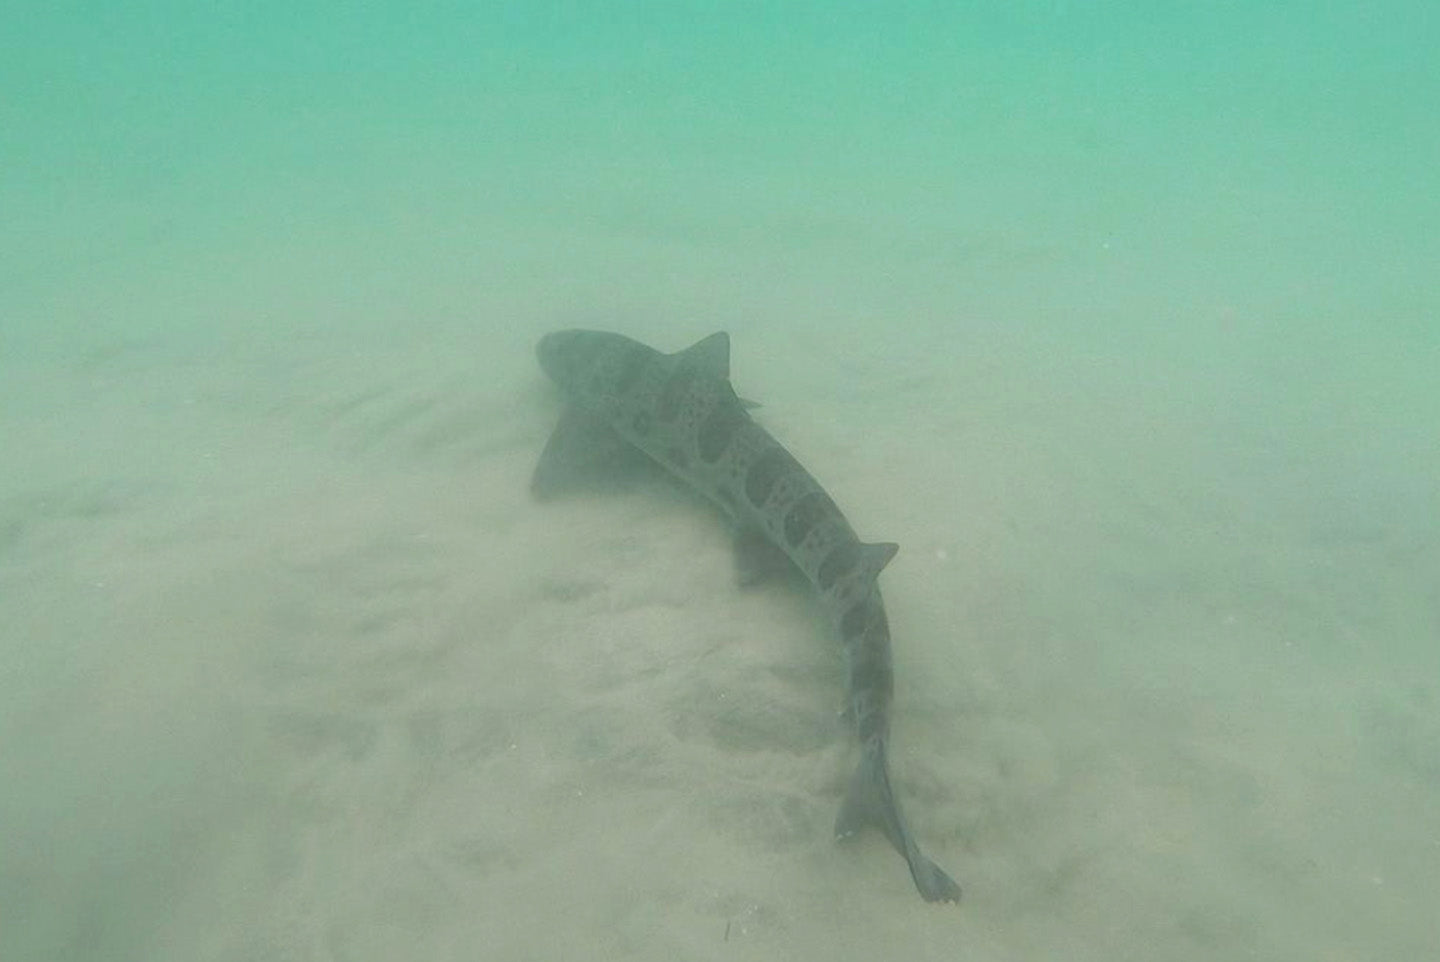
(809, 511)
(718, 431)
(672, 395)
(837, 564)
(870, 666)
(856, 619)
(727, 498)
(768, 469)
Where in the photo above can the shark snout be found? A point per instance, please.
(550, 352)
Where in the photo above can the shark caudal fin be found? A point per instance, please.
(869, 801)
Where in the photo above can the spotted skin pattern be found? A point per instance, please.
(681, 411)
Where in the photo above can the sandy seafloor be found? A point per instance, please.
(1131, 341)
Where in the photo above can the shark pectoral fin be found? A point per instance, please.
(583, 452)
(758, 559)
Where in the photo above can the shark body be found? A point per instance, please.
(681, 411)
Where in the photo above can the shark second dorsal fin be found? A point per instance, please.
(710, 355)
(874, 557)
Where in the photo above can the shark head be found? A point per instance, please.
(563, 355)
(587, 364)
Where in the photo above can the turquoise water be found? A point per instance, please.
(1123, 321)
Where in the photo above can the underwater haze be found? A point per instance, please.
(1121, 319)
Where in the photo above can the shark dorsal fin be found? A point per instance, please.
(874, 557)
(710, 355)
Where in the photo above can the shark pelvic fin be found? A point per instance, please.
(758, 559)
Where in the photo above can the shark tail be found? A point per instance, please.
(870, 801)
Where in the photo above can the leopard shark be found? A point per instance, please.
(680, 411)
